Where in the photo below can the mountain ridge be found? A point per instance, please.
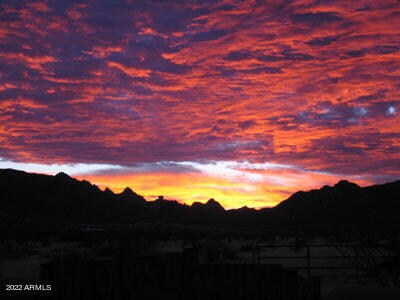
(29, 199)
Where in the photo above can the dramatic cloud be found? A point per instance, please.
(310, 86)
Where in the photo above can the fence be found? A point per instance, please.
(350, 257)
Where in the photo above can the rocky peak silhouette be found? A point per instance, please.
(63, 176)
(129, 195)
(108, 191)
(346, 185)
(212, 204)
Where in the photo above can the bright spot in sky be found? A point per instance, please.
(391, 110)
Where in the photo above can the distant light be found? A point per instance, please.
(391, 110)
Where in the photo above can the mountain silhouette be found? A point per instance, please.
(210, 206)
(39, 201)
(130, 196)
(345, 206)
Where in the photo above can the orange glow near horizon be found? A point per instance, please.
(187, 188)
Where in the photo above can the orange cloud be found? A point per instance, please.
(132, 72)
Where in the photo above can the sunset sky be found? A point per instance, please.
(243, 101)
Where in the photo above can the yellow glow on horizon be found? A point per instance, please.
(188, 188)
(229, 192)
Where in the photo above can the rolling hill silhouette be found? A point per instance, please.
(42, 201)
